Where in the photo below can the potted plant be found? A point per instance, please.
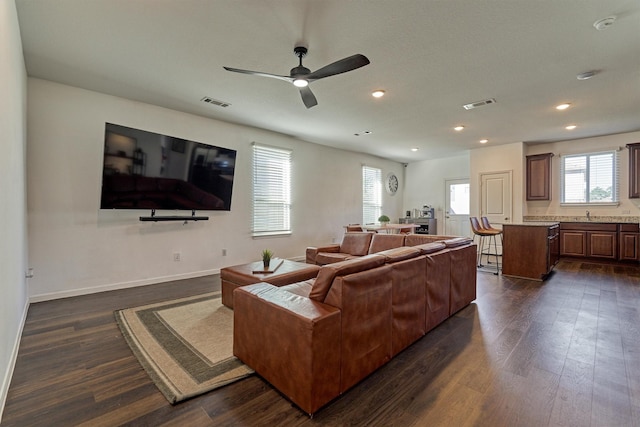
(384, 220)
(266, 257)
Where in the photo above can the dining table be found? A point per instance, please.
(389, 228)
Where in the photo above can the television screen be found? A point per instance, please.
(146, 170)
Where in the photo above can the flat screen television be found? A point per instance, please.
(146, 170)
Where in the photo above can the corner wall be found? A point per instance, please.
(76, 248)
(13, 219)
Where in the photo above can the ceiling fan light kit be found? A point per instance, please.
(301, 76)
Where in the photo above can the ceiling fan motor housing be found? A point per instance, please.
(300, 51)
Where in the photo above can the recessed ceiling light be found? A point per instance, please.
(586, 75)
(563, 106)
(378, 93)
(414, 149)
(483, 141)
(458, 128)
(571, 127)
(601, 24)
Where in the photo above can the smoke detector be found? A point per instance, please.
(601, 24)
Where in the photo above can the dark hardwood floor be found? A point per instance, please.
(564, 352)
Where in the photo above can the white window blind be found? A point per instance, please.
(271, 190)
(371, 194)
(590, 178)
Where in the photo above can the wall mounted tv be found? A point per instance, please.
(146, 170)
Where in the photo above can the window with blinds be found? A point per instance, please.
(371, 194)
(271, 190)
(589, 178)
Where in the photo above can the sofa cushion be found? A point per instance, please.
(329, 272)
(356, 243)
(428, 248)
(420, 239)
(302, 289)
(323, 258)
(457, 241)
(382, 242)
(399, 254)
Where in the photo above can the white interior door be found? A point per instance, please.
(496, 197)
(457, 206)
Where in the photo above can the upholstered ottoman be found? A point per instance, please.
(247, 274)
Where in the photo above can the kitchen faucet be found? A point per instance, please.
(588, 216)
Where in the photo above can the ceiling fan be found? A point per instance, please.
(301, 76)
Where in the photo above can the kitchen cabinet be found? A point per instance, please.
(539, 177)
(634, 170)
(591, 240)
(629, 242)
(530, 250)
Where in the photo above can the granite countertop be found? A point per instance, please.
(534, 223)
(592, 218)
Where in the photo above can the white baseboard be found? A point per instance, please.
(116, 286)
(6, 382)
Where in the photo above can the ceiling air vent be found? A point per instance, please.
(212, 101)
(479, 104)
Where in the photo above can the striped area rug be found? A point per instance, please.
(185, 345)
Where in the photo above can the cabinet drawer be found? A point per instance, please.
(588, 226)
(630, 228)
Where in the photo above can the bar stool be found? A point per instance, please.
(481, 232)
(487, 226)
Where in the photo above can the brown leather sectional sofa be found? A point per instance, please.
(360, 244)
(315, 339)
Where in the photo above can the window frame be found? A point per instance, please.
(273, 171)
(371, 202)
(615, 177)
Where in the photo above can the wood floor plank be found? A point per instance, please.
(572, 405)
(564, 352)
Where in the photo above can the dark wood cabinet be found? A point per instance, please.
(589, 240)
(539, 176)
(573, 243)
(602, 244)
(629, 242)
(634, 170)
(530, 250)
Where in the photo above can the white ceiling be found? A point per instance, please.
(430, 56)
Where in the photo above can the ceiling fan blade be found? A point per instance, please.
(308, 97)
(342, 66)
(259, 73)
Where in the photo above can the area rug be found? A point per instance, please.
(185, 345)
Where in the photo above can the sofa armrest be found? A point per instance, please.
(291, 341)
(312, 252)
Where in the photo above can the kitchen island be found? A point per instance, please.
(530, 250)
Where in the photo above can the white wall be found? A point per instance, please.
(76, 248)
(627, 207)
(503, 158)
(13, 220)
(426, 183)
